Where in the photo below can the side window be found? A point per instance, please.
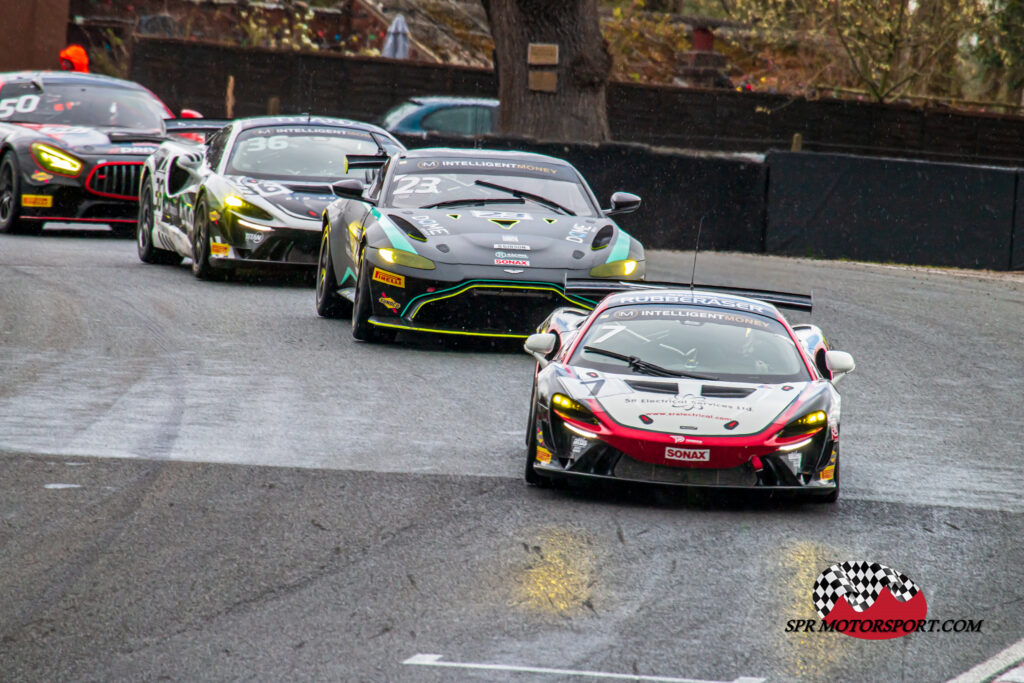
(487, 119)
(387, 144)
(458, 120)
(215, 147)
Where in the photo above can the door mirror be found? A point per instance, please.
(188, 163)
(541, 346)
(352, 188)
(623, 202)
(839, 363)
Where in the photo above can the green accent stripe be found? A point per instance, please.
(512, 284)
(348, 274)
(394, 235)
(620, 250)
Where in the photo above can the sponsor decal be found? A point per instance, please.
(705, 316)
(389, 278)
(39, 200)
(42, 177)
(509, 238)
(511, 262)
(625, 314)
(146, 151)
(514, 271)
(687, 454)
(215, 216)
(828, 474)
(507, 245)
(684, 439)
(579, 444)
(388, 302)
(483, 163)
(502, 215)
(219, 249)
(254, 237)
(697, 299)
(543, 455)
(430, 226)
(578, 232)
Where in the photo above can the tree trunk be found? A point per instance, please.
(576, 110)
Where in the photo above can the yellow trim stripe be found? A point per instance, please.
(461, 290)
(412, 328)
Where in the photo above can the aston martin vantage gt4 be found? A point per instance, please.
(253, 195)
(467, 242)
(700, 387)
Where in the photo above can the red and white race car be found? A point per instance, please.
(706, 387)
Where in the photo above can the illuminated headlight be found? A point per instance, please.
(249, 225)
(56, 161)
(567, 408)
(408, 259)
(808, 424)
(622, 268)
(241, 207)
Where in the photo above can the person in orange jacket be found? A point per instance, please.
(74, 58)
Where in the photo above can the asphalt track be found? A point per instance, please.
(205, 481)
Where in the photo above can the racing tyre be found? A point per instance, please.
(201, 266)
(362, 309)
(833, 496)
(10, 198)
(329, 304)
(530, 474)
(148, 252)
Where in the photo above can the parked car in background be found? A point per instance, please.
(452, 115)
(72, 147)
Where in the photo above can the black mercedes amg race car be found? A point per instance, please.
(71, 148)
(467, 242)
(254, 194)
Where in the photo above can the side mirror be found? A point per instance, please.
(348, 187)
(190, 114)
(541, 346)
(623, 202)
(188, 163)
(839, 363)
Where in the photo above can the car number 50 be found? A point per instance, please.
(22, 105)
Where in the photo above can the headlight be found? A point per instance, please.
(574, 410)
(55, 161)
(808, 424)
(405, 258)
(243, 208)
(614, 269)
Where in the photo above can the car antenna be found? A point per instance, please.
(696, 249)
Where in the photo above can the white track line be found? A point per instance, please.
(435, 660)
(991, 667)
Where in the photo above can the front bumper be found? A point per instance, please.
(286, 246)
(482, 302)
(104, 192)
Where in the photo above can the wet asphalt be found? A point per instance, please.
(205, 481)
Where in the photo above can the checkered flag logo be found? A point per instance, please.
(860, 583)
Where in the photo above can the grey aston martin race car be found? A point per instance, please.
(467, 242)
(254, 193)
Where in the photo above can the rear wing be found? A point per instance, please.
(599, 289)
(366, 160)
(175, 126)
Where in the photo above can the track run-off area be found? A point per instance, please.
(206, 481)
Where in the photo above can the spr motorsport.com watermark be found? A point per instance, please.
(871, 601)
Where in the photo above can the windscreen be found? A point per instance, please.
(712, 343)
(299, 152)
(76, 104)
(426, 183)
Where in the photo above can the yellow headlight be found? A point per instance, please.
(809, 423)
(56, 161)
(623, 268)
(566, 407)
(408, 259)
(234, 202)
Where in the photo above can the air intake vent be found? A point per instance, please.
(407, 227)
(654, 387)
(603, 237)
(116, 180)
(712, 391)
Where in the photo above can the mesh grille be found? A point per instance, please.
(115, 180)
